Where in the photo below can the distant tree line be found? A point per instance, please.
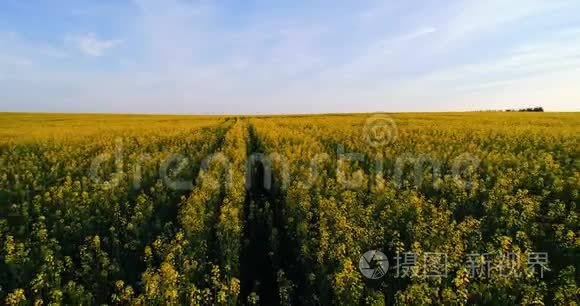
(529, 109)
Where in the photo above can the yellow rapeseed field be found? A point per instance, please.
(414, 208)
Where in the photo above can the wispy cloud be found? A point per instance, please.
(521, 61)
(472, 19)
(90, 45)
(418, 33)
(14, 60)
(8, 36)
(414, 55)
(402, 40)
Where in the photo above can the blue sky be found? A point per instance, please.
(212, 57)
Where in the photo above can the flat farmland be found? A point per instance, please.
(375, 209)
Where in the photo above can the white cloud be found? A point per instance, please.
(14, 60)
(377, 59)
(89, 44)
(522, 61)
(421, 58)
(418, 33)
(8, 36)
(470, 19)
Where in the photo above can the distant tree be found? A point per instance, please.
(529, 109)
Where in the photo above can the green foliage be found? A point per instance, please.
(87, 216)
